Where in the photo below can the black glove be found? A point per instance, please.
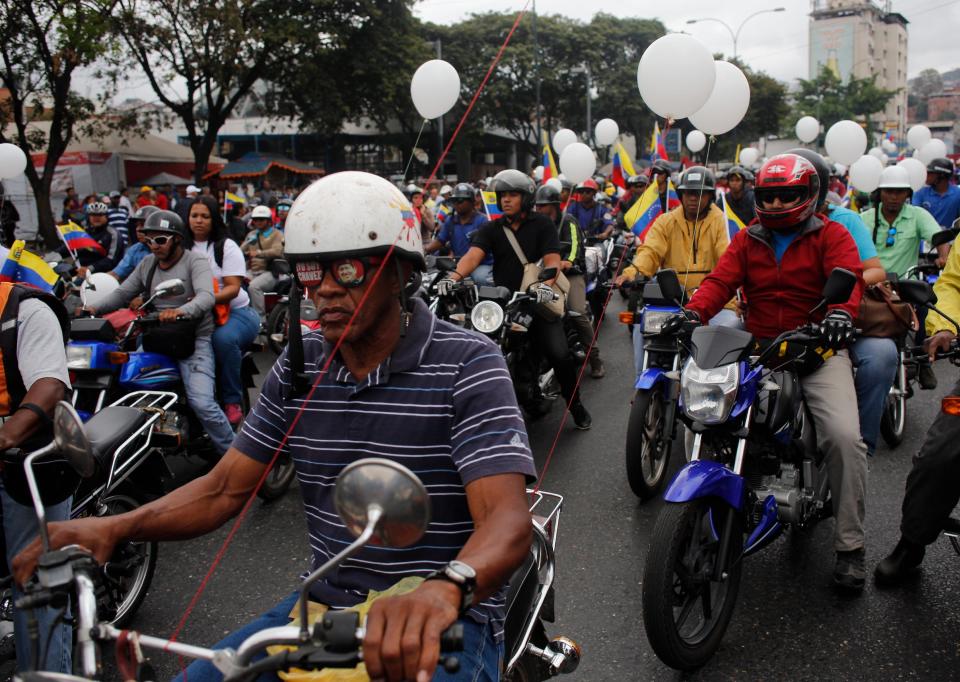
(837, 329)
(674, 323)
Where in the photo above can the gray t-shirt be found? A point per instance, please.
(40, 351)
(197, 299)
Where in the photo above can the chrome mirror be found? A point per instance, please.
(71, 439)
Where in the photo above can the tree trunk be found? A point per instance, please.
(45, 218)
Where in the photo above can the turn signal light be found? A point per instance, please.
(117, 358)
(951, 405)
(626, 317)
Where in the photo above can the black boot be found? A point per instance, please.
(581, 418)
(901, 564)
(849, 573)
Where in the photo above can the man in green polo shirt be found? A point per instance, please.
(898, 227)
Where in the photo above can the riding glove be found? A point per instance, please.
(446, 286)
(542, 292)
(674, 323)
(837, 328)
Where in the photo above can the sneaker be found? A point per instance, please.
(581, 418)
(234, 413)
(900, 565)
(596, 369)
(850, 572)
(928, 380)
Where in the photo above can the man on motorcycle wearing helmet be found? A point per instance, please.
(401, 384)
(262, 245)
(782, 262)
(537, 236)
(939, 196)
(139, 250)
(458, 229)
(660, 171)
(111, 246)
(740, 197)
(593, 217)
(164, 233)
(573, 264)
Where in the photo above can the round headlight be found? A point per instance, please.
(486, 317)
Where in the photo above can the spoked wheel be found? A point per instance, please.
(648, 444)
(277, 328)
(278, 479)
(126, 576)
(686, 612)
(893, 421)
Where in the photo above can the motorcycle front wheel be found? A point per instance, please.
(648, 444)
(278, 479)
(893, 421)
(277, 324)
(686, 612)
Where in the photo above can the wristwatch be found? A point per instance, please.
(463, 576)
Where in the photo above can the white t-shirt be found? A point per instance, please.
(40, 350)
(234, 265)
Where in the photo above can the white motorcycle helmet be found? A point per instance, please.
(352, 214)
(96, 288)
(261, 212)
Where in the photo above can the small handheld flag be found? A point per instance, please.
(622, 167)
(490, 205)
(27, 268)
(76, 238)
(642, 214)
(734, 224)
(549, 165)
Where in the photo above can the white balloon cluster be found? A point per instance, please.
(577, 162)
(562, 139)
(917, 171)
(865, 172)
(12, 161)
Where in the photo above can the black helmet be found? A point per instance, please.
(738, 170)
(697, 179)
(637, 180)
(823, 169)
(462, 191)
(165, 221)
(660, 166)
(940, 165)
(547, 194)
(512, 180)
(566, 184)
(144, 212)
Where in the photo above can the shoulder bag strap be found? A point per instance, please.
(516, 245)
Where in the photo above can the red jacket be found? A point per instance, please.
(779, 297)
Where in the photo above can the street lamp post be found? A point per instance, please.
(735, 35)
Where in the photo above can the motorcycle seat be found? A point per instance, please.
(109, 427)
(521, 592)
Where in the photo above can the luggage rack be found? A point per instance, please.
(545, 510)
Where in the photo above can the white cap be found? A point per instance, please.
(894, 177)
(261, 212)
(193, 189)
(445, 190)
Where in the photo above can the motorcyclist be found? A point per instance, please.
(939, 196)
(165, 233)
(660, 171)
(283, 209)
(263, 244)
(538, 239)
(458, 229)
(384, 394)
(566, 189)
(740, 197)
(92, 260)
(573, 263)
(782, 262)
(139, 250)
(593, 217)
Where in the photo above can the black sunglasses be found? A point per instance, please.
(786, 195)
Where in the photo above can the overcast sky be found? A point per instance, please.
(775, 42)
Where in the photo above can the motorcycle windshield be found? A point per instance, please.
(716, 346)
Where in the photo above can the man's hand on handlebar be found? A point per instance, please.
(171, 315)
(541, 292)
(941, 341)
(674, 323)
(95, 534)
(447, 285)
(403, 633)
(837, 328)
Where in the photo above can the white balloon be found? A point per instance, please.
(606, 131)
(865, 173)
(918, 136)
(562, 138)
(749, 156)
(933, 149)
(97, 288)
(845, 142)
(888, 146)
(917, 171)
(12, 161)
(577, 162)
(676, 75)
(555, 183)
(538, 173)
(807, 129)
(696, 140)
(728, 101)
(435, 88)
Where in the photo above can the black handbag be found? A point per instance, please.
(173, 339)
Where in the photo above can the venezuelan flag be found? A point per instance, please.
(27, 268)
(622, 167)
(734, 224)
(657, 150)
(642, 214)
(442, 213)
(76, 238)
(549, 165)
(230, 200)
(490, 204)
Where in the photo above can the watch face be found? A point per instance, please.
(463, 569)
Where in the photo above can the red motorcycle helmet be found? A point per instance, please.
(589, 183)
(793, 180)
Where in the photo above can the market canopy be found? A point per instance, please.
(161, 179)
(256, 164)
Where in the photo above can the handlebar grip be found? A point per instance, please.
(451, 639)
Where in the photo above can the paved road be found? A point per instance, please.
(789, 624)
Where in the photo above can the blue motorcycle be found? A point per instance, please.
(755, 468)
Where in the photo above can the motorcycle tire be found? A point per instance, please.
(126, 577)
(679, 566)
(893, 420)
(277, 324)
(648, 445)
(278, 479)
(531, 668)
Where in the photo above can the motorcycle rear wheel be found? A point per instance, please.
(893, 420)
(127, 575)
(677, 584)
(648, 446)
(278, 480)
(277, 324)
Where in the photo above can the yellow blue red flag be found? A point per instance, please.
(622, 167)
(490, 204)
(549, 165)
(734, 224)
(27, 268)
(76, 238)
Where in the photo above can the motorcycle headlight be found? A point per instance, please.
(709, 394)
(79, 357)
(486, 317)
(653, 320)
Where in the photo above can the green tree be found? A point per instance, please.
(830, 100)
(928, 82)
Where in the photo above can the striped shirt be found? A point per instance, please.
(442, 404)
(117, 219)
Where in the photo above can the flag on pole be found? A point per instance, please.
(230, 200)
(657, 150)
(736, 156)
(443, 212)
(734, 224)
(549, 165)
(490, 205)
(27, 268)
(76, 238)
(622, 167)
(642, 214)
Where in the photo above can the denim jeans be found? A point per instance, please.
(725, 318)
(482, 275)
(260, 284)
(480, 659)
(229, 342)
(19, 530)
(199, 381)
(876, 363)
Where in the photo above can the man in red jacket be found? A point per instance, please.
(782, 261)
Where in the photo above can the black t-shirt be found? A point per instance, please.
(537, 236)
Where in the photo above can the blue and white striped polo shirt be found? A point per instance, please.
(442, 404)
(117, 219)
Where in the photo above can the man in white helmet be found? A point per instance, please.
(263, 244)
(401, 384)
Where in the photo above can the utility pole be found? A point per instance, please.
(536, 71)
(589, 104)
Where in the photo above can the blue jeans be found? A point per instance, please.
(876, 363)
(229, 342)
(725, 318)
(482, 275)
(480, 659)
(19, 530)
(199, 381)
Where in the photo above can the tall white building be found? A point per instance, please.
(863, 38)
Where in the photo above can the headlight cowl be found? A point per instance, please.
(709, 394)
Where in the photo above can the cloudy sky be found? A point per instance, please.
(775, 43)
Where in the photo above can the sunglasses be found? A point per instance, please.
(347, 272)
(786, 195)
(891, 236)
(159, 241)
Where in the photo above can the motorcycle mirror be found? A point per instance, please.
(374, 487)
(944, 237)
(71, 439)
(670, 287)
(915, 292)
(840, 284)
(547, 274)
(169, 288)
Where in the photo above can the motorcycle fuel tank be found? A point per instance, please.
(146, 371)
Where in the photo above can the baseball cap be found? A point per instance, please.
(146, 188)
(193, 189)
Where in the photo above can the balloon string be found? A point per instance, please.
(697, 223)
(412, 151)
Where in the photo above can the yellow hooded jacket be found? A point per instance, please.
(947, 290)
